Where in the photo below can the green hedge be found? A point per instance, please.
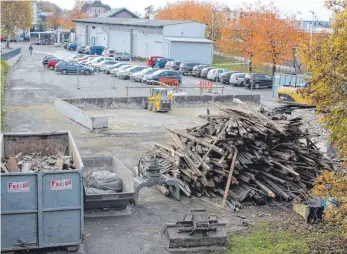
(4, 70)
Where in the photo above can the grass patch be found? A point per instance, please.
(288, 237)
(4, 70)
(263, 240)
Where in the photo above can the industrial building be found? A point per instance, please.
(180, 40)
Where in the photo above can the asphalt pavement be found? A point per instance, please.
(31, 83)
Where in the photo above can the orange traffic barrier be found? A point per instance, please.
(169, 81)
(206, 85)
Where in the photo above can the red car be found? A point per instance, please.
(53, 62)
(152, 60)
(2, 38)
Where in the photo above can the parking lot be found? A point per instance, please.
(31, 83)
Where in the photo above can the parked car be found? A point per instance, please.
(72, 68)
(53, 62)
(87, 60)
(226, 76)
(125, 74)
(197, 69)
(77, 57)
(174, 65)
(86, 50)
(152, 60)
(237, 79)
(137, 76)
(96, 50)
(257, 80)
(85, 57)
(156, 76)
(187, 67)
(214, 74)
(161, 62)
(107, 70)
(80, 49)
(104, 52)
(110, 52)
(99, 59)
(46, 59)
(122, 56)
(72, 46)
(101, 65)
(116, 70)
(205, 71)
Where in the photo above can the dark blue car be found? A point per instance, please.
(161, 62)
(96, 50)
(156, 76)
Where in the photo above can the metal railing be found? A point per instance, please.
(10, 54)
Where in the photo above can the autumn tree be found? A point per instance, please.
(212, 14)
(326, 60)
(14, 14)
(67, 20)
(53, 21)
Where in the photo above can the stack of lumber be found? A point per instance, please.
(273, 157)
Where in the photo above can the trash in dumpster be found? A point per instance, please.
(36, 163)
(104, 182)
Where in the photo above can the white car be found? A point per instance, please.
(125, 74)
(99, 59)
(215, 74)
(116, 70)
(75, 58)
(107, 70)
(101, 65)
(137, 76)
(237, 79)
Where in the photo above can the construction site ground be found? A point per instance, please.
(130, 135)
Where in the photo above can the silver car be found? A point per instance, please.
(122, 56)
(137, 76)
(115, 71)
(238, 79)
(126, 73)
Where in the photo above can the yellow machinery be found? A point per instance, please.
(160, 100)
(288, 88)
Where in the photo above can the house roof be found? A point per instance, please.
(86, 6)
(188, 39)
(132, 22)
(114, 12)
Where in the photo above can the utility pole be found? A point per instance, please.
(78, 78)
(311, 33)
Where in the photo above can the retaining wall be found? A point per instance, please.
(137, 102)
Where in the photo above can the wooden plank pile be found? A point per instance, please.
(274, 158)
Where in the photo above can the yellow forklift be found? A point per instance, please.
(160, 100)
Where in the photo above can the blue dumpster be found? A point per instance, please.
(41, 209)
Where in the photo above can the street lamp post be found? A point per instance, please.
(311, 32)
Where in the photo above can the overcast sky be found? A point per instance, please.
(285, 6)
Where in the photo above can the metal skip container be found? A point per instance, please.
(41, 209)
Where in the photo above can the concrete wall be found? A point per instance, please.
(137, 102)
(192, 29)
(79, 116)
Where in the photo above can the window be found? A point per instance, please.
(267, 77)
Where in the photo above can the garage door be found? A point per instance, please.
(184, 51)
(119, 40)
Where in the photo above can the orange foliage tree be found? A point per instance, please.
(67, 21)
(212, 14)
(260, 34)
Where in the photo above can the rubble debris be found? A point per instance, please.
(104, 182)
(34, 162)
(275, 158)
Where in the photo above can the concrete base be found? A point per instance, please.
(11, 62)
(79, 116)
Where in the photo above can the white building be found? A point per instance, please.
(180, 40)
(94, 9)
